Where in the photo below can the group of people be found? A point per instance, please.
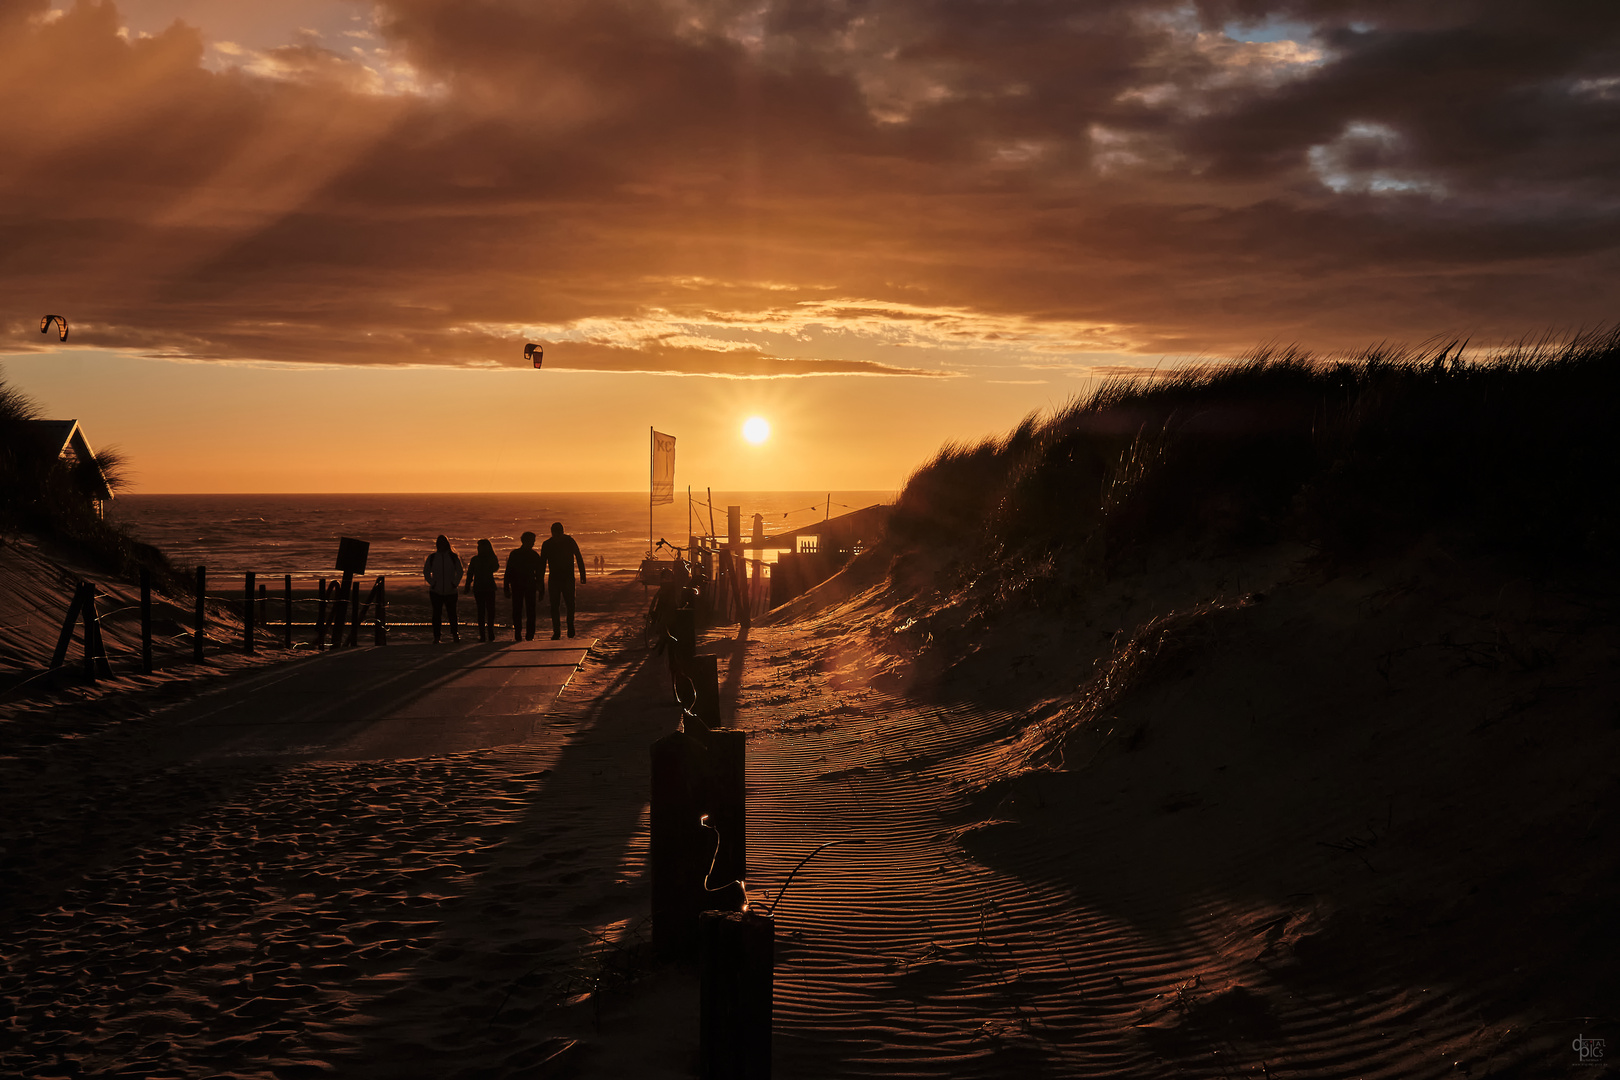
(524, 580)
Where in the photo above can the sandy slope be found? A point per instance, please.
(1359, 825)
(1364, 826)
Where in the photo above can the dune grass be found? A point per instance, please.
(1511, 454)
(47, 497)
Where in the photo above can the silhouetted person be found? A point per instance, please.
(481, 583)
(443, 572)
(525, 575)
(560, 553)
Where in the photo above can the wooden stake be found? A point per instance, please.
(679, 847)
(201, 631)
(286, 592)
(95, 653)
(738, 958)
(75, 609)
(340, 612)
(727, 803)
(247, 615)
(320, 618)
(146, 621)
(354, 624)
(380, 630)
(705, 673)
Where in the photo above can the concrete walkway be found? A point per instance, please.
(370, 702)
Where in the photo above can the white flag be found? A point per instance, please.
(663, 468)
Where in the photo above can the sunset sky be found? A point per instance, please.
(301, 244)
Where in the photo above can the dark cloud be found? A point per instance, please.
(504, 170)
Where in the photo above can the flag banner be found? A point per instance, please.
(663, 468)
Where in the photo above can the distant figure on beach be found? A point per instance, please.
(560, 553)
(443, 572)
(481, 583)
(525, 575)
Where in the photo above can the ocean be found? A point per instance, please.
(298, 534)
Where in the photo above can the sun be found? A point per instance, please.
(756, 429)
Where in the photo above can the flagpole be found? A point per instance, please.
(651, 451)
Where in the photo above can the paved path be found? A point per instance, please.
(370, 702)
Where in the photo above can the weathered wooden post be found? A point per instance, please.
(286, 592)
(340, 609)
(738, 955)
(727, 803)
(65, 639)
(247, 615)
(264, 605)
(380, 629)
(705, 673)
(678, 847)
(320, 618)
(95, 653)
(146, 621)
(201, 624)
(359, 613)
(683, 643)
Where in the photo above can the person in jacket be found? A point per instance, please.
(560, 553)
(443, 573)
(525, 575)
(481, 583)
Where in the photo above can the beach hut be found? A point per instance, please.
(64, 440)
(813, 553)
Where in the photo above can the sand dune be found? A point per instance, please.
(1334, 831)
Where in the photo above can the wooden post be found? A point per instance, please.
(75, 610)
(320, 618)
(95, 653)
(286, 592)
(146, 621)
(94, 626)
(354, 624)
(738, 958)
(247, 615)
(679, 847)
(340, 612)
(705, 673)
(683, 644)
(201, 631)
(380, 630)
(264, 605)
(727, 803)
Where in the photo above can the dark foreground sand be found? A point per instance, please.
(1352, 826)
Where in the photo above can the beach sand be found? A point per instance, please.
(1335, 825)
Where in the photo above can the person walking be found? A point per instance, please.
(560, 553)
(481, 583)
(525, 574)
(443, 573)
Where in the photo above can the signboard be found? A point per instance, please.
(352, 554)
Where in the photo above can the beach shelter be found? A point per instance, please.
(64, 439)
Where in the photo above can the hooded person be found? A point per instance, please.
(443, 573)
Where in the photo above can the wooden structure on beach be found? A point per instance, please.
(813, 553)
(64, 440)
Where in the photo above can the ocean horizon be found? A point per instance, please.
(291, 533)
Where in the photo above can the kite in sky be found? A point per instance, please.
(45, 328)
(531, 351)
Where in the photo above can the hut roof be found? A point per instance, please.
(65, 438)
(864, 526)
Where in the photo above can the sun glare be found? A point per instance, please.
(756, 429)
